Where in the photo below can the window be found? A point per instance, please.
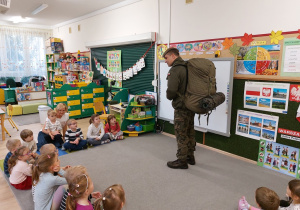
(22, 52)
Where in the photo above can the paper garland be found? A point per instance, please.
(119, 76)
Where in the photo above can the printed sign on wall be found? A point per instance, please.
(267, 96)
(279, 157)
(256, 125)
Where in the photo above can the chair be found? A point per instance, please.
(9, 118)
(99, 107)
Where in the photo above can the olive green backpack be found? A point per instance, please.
(200, 95)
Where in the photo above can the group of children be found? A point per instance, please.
(55, 187)
(267, 199)
(74, 139)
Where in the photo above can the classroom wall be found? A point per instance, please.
(207, 19)
(137, 18)
(203, 19)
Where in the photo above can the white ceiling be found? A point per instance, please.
(58, 11)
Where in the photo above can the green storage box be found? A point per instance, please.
(148, 126)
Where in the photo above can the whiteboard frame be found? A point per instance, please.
(229, 105)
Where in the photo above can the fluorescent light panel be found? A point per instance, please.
(39, 9)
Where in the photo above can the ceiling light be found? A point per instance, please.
(39, 9)
(18, 19)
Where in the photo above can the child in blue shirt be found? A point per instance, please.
(12, 145)
(74, 137)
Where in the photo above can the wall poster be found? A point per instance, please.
(279, 157)
(256, 125)
(258, 60)
(114, 67)
(267, 96)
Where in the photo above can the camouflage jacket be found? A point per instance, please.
(177, 83)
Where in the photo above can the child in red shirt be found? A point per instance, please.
(112, 128)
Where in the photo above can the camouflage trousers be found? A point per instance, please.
(184, 132)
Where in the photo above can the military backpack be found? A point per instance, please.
(200, 94)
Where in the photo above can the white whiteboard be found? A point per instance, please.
(219, 120)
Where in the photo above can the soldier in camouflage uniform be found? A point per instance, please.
(183, 118)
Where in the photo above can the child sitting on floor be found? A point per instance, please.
(74, 137)
(20, 170)
(94, 137)
(112, 128)
(80, 191)
(53, 129)
(293, 191)
(27, 137)
(49, 189)
(12, 145)
(265, 198)
(113, 198)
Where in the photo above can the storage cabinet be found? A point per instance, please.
(80, 101)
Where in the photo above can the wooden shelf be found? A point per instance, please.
(137, 119)
(141, 105)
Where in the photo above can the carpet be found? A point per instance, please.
(26, 119)
(216, 181)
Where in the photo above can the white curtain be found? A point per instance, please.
(22, 52)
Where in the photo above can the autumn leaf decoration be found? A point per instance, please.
(247, 39)
(276, 37)
(298, 37)
(234, 50)
(227, 43)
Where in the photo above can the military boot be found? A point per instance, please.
(178, 164)
(191, 159)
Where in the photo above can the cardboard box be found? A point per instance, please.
(53, 39)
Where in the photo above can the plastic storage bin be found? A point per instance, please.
(148, 126)
(130, 127)
(43, 113)
(139, 128)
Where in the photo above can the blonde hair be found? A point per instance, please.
(78, 181)
(70, 121)
(42, 165)
(25, 133)
(11, 144)
(61, 106)
(267, 199)
(113, 198)
(12, 161)
(47, 148)
(51, 111)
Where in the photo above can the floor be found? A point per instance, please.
(7, 198)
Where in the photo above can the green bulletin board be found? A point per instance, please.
(115, 68)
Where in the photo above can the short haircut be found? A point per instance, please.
(62, 106)
(267, 199)
(170, 51)
(25, 133)
(70, 121)
(12, 143)
(51, 112)
(294, 186)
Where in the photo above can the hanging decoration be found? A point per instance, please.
(124, 75)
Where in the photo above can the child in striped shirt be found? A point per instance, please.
(74, 137)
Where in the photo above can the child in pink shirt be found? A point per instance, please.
(112, 128)
(20, 171)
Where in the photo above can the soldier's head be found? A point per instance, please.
(170, 55)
